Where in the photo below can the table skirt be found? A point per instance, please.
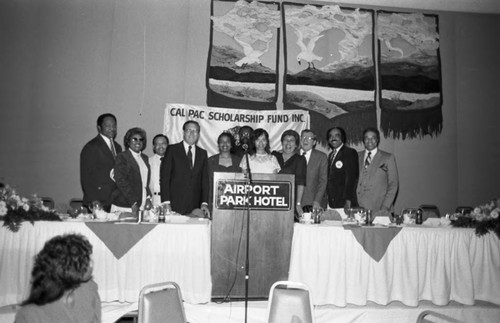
(435, 264)
(169, 252)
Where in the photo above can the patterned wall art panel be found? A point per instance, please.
(243, 56)
(409, 75)
(329, 66)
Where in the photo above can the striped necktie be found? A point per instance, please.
(332, 156)
(368, 159)
(113, 151)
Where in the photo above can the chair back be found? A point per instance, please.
(432, 317)
(290, 302)
(430, 211)
(161, 302)
(48, 202)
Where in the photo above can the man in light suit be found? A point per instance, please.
(343, 171)
(378, 180)
(184, 173)
(97, 159)
(316, 177)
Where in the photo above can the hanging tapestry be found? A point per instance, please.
(329, 67)
(410, 75)
(243, 57)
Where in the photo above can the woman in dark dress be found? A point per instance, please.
(293, 163)
(224, 161)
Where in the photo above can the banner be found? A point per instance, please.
(329, 67)
(410, 75)
(214, 121)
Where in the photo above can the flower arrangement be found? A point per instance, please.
(484, 218)
(15, 209)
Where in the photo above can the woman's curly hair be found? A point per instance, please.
(63, 264)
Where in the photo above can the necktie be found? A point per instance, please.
(334, 151)
(113, 151)
(190, 157)
(368, 159)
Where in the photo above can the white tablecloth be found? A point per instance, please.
(435, 264)
(169, 252)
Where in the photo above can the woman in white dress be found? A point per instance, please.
(260, 159)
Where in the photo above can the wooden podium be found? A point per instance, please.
(271, 213)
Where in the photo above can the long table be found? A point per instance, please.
(166, 252)
(420, 263)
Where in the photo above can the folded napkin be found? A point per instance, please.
(119, 238)
(374, 240)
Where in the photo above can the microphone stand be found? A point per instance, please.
(247, 259)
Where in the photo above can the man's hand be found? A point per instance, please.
(317, 206)
(205, 210)
(298, 207)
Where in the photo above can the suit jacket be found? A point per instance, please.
(316, 179)
(343, 175)
(185, 188)
(96, 162)
(128, 180)
(378, 183)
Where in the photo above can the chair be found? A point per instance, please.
(77, 204)
(431, 317)
(290, 302)
(429, 211)
(48, 202)
(161, 302)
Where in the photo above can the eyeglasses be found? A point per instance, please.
(138, 139)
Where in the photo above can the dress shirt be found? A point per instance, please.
(144, 175)
(306, 154)
(373, 152)
(193, 150)
(108, 142)
(154, 184)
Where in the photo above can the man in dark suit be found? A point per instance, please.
(97, 159)
(317, 171)
(378, 176)
(184, 173)
(343, 171)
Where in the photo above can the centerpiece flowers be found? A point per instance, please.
(15, 209)
(484, 218)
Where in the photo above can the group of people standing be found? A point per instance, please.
(180, 175)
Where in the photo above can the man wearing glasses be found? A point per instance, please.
(317, 171)
(184, 174)
(97, 159)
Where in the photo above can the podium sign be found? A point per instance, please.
(235, 194)
(268, 200)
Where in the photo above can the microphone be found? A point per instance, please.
(244, 143)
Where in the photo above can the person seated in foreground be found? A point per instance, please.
(62, 289)
(293, 163)
(260, 159)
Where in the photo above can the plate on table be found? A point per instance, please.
(178, 218)
(77, 220)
